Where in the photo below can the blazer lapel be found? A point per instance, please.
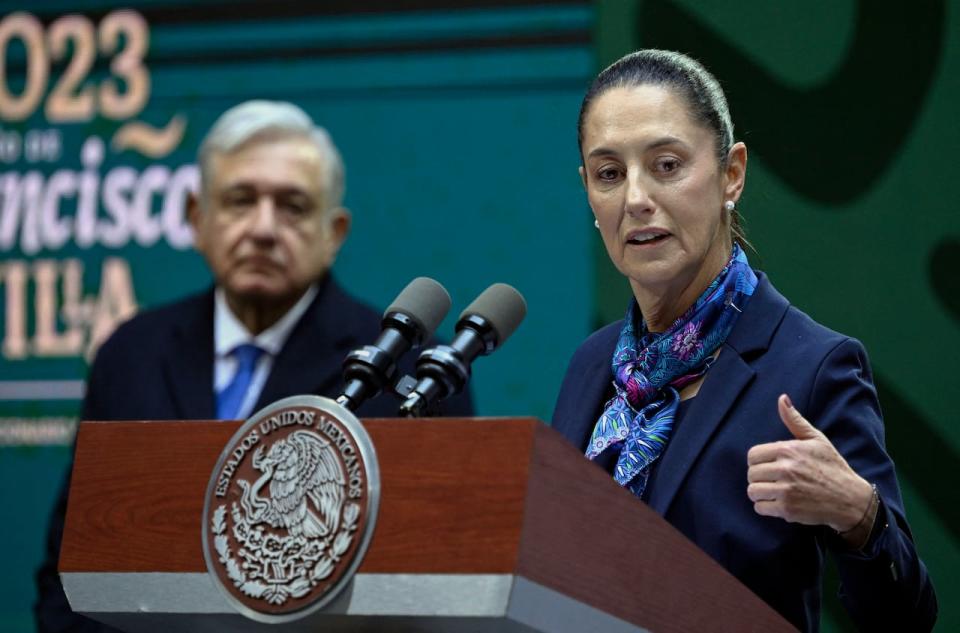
(188, 363)
(724, 383)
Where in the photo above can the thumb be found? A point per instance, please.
(795, 423)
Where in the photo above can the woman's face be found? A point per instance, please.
(658, 190)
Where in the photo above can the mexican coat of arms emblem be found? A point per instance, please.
(290, 508)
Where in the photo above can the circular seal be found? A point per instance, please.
(290, 508)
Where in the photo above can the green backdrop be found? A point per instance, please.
(457, 125)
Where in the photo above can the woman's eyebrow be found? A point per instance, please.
(601, 151)
(665, 140)
(660, 142)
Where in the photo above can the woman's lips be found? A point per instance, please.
(646, 238)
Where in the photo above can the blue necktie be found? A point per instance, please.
(231, 397)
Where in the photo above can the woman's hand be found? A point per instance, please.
(805, 480)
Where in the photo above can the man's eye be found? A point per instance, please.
(236, 206)
(294, 207)
(238, 200)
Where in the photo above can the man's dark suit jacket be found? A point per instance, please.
(159, 366)
(700, 485)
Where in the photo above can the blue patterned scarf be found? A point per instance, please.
(649, 371)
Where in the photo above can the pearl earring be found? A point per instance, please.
(596, 224)
(730, 205)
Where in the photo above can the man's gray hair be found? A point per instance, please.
(263, 120)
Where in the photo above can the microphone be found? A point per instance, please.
(483, 326)
(409, 321)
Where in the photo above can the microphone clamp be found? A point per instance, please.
(445, 369)
(371, 368)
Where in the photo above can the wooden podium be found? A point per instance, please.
(486, 524)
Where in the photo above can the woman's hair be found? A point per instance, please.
(699, 89)
(687, 76)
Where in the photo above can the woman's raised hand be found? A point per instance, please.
(805, 480)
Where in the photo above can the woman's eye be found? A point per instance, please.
(667, 165)
(607, 174)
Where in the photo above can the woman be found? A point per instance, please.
(752, 429)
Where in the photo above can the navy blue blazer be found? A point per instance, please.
(159, 366)
(701, 480)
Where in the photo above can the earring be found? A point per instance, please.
(730, 206)
(596, 224)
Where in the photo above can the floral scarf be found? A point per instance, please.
(649, 371)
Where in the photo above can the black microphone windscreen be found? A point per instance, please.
(425, 301)
(503, 306)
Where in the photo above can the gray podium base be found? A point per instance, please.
(407, 603)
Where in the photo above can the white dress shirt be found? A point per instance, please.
(229, 332)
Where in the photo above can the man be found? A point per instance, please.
(269, 221)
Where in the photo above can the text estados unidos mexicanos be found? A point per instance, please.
(341, 441)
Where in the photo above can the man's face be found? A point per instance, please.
(263, 227)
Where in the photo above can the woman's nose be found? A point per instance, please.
(637, 197)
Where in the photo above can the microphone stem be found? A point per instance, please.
(417, 402)
(469, 344)
(354, 394)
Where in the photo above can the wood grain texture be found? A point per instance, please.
(136, 495)
(451, 498)
(586, 537)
